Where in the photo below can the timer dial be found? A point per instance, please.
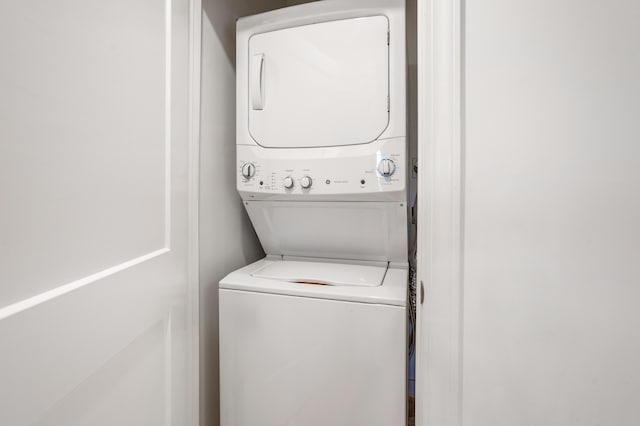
(248, 170)
(386, 167)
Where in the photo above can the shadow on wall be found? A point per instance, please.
(223, 15)
(227, 239)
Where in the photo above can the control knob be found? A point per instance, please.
(386, 167)
(288, 182)
(306, 182)
(248, 170)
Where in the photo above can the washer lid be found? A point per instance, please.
(369, 274)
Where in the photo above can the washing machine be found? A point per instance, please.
(314, 334)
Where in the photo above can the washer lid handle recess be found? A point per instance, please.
(323, 273)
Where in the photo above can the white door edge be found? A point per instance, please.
(193, 285)
(440, 231)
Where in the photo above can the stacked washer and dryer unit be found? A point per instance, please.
(314, 334)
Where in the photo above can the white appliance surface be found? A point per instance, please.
(321, 125)
(322, 84)
(318, 74)
(335, 230)
(304, 359)
(336, 173)
(393, 290)
(302, 271)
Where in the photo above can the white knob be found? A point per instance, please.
(306, 182)
(248, 170)
(386, 167)
(288, 182)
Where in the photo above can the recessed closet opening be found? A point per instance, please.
(223, 213)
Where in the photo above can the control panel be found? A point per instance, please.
(361, 169)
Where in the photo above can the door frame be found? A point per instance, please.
(441, 215)
(193, 283)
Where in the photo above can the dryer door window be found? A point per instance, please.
(324, 84)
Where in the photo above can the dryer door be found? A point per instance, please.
(324, 84)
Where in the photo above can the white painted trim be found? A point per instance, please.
(168, 16)
(168, 364)
(23, 305)
(440, 230)
(193, 249)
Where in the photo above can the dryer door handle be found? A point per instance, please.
(257, 81)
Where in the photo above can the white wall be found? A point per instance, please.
(227, 240)
(551, 315)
